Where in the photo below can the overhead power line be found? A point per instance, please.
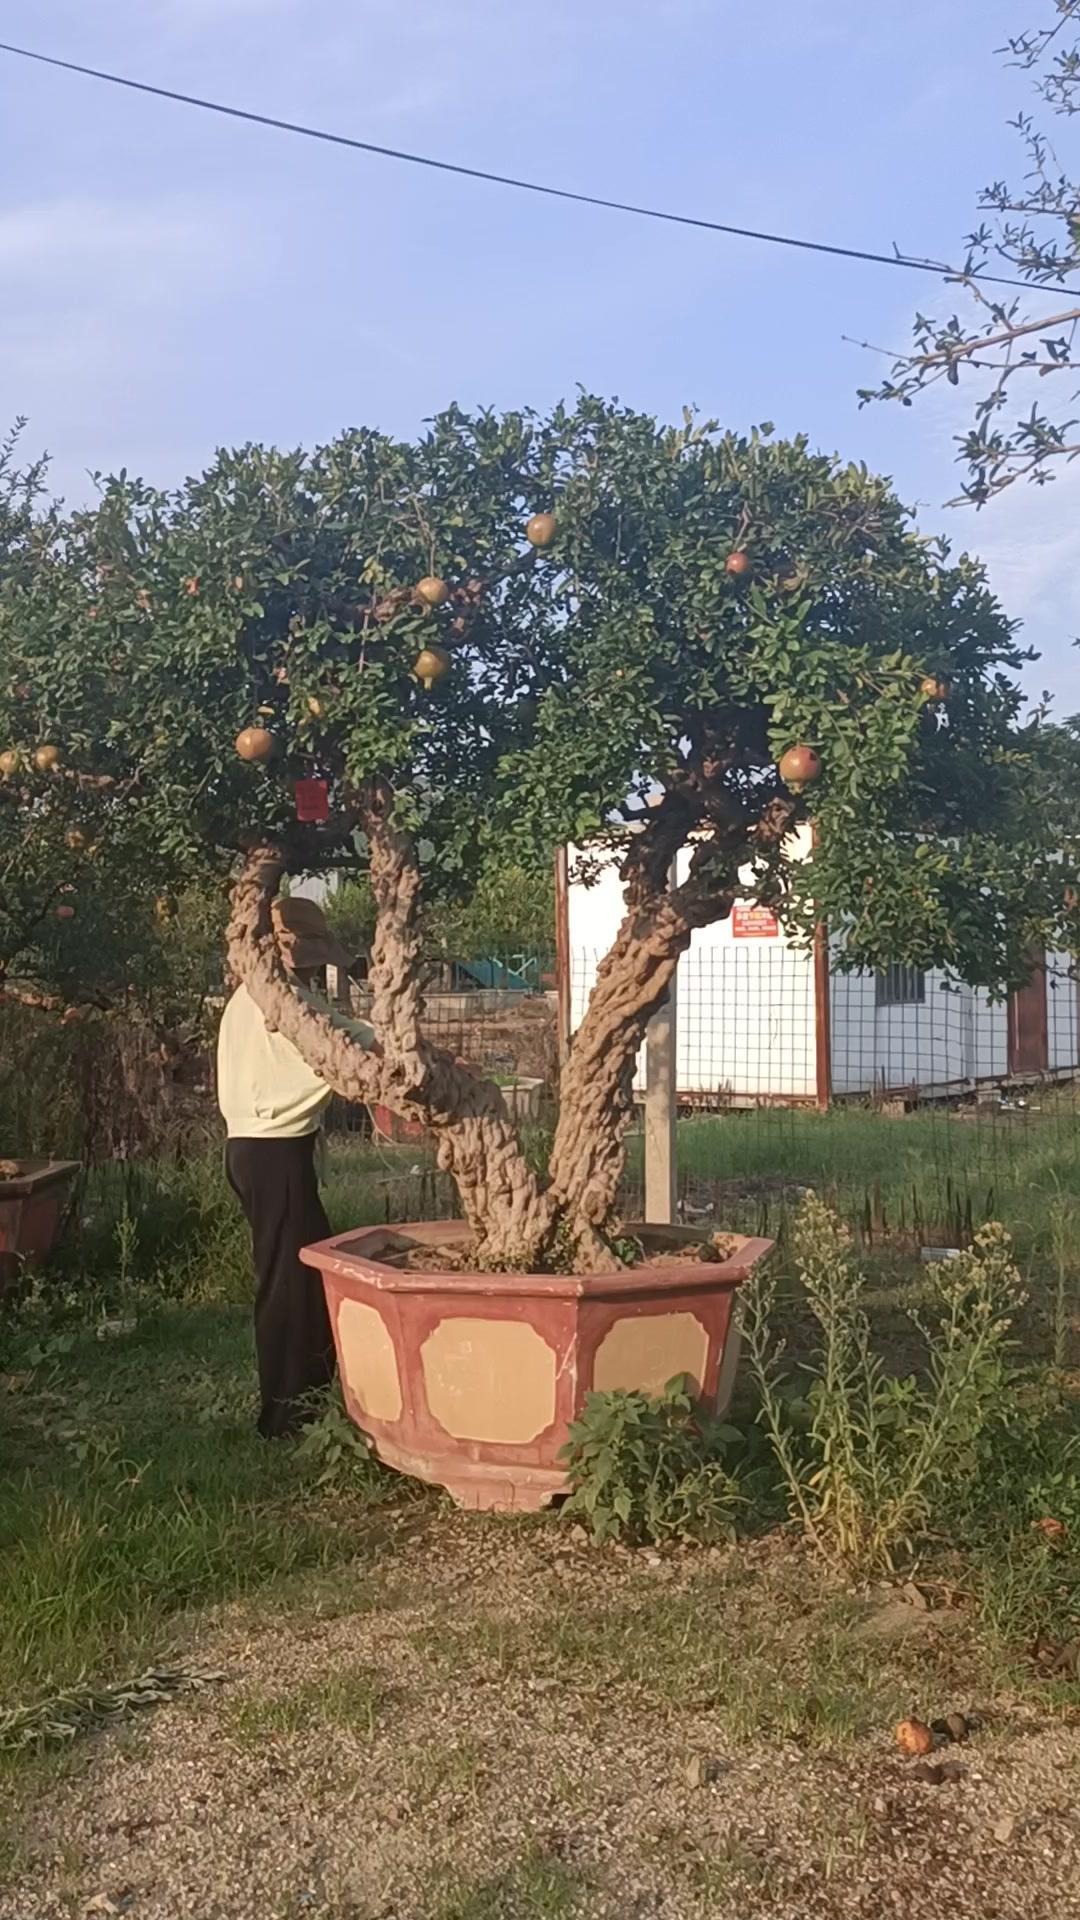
(894, 259)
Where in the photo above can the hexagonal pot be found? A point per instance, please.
(32, 1201)
(470, 1380)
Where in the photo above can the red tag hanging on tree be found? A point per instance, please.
(312, 800)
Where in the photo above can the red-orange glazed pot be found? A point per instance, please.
(470, 1380)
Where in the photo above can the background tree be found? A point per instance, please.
(81, 917)
(1023, 354)
(742, 633)
(509, 916)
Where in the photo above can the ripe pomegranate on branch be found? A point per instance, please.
(511, 636)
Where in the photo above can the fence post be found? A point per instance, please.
(562, 950)
(662, 1109)
(338, 987)
(661, 1113)
(823, 1017)
(822, 1005)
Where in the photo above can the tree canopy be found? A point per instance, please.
(425, 661)
(278, 592)
(90, 909)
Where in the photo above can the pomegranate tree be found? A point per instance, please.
(414, 661)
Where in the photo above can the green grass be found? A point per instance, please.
(348, 1699)
(929, 1168)
(536, 1887)
(133, 1487)
(756, 1653)
(134, 1490)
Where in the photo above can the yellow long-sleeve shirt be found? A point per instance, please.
(266, 1090)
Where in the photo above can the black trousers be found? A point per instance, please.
(275, 1183)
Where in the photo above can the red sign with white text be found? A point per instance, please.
(754, 923)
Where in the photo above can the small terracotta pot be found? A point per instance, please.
(470, 1380)
(32, 1203)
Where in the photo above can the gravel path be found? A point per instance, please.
(404, 1761)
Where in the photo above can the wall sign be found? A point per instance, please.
(754, 923)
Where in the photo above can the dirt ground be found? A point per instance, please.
(484, 1720)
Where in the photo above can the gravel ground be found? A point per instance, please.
(348, 1767)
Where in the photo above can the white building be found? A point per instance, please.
(759, 1021)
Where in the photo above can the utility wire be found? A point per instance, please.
(893, 259)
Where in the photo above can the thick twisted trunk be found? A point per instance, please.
(518, 1221)
(596, 1088)
(512, 1219)
(476, 1141)
(632, 983)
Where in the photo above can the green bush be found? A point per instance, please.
(1017, 1521)
(644, 1469)
(870, 1461)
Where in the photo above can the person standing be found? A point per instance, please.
(273, 1106)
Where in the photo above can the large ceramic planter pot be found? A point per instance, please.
(32, 1200)
(471, 1380)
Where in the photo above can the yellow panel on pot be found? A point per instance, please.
(489, 1379)
(368, 1361)
(645, 1352)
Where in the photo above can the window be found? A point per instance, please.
(901, 987)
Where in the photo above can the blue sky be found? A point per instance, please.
(170, 282)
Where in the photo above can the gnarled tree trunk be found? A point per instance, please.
(519, 1221)
(511, 1217)
(633, 980)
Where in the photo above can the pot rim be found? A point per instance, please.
(355, 1255)
(34, 1175)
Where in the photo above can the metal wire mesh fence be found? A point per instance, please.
(917, 1105)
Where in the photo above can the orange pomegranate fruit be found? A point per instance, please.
(540, 531)
(431, 591)
(47, 758)
(255, 743)
(799, 766)
(431, 664)
(914, 1736)
(935, 688)
(738, 565)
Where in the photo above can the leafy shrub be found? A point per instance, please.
(868, 1460)
(337, 1457)
(644, 1469)
(1018, 1520)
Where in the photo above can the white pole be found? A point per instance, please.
(661, 1112)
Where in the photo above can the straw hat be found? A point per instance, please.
(304, 940)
